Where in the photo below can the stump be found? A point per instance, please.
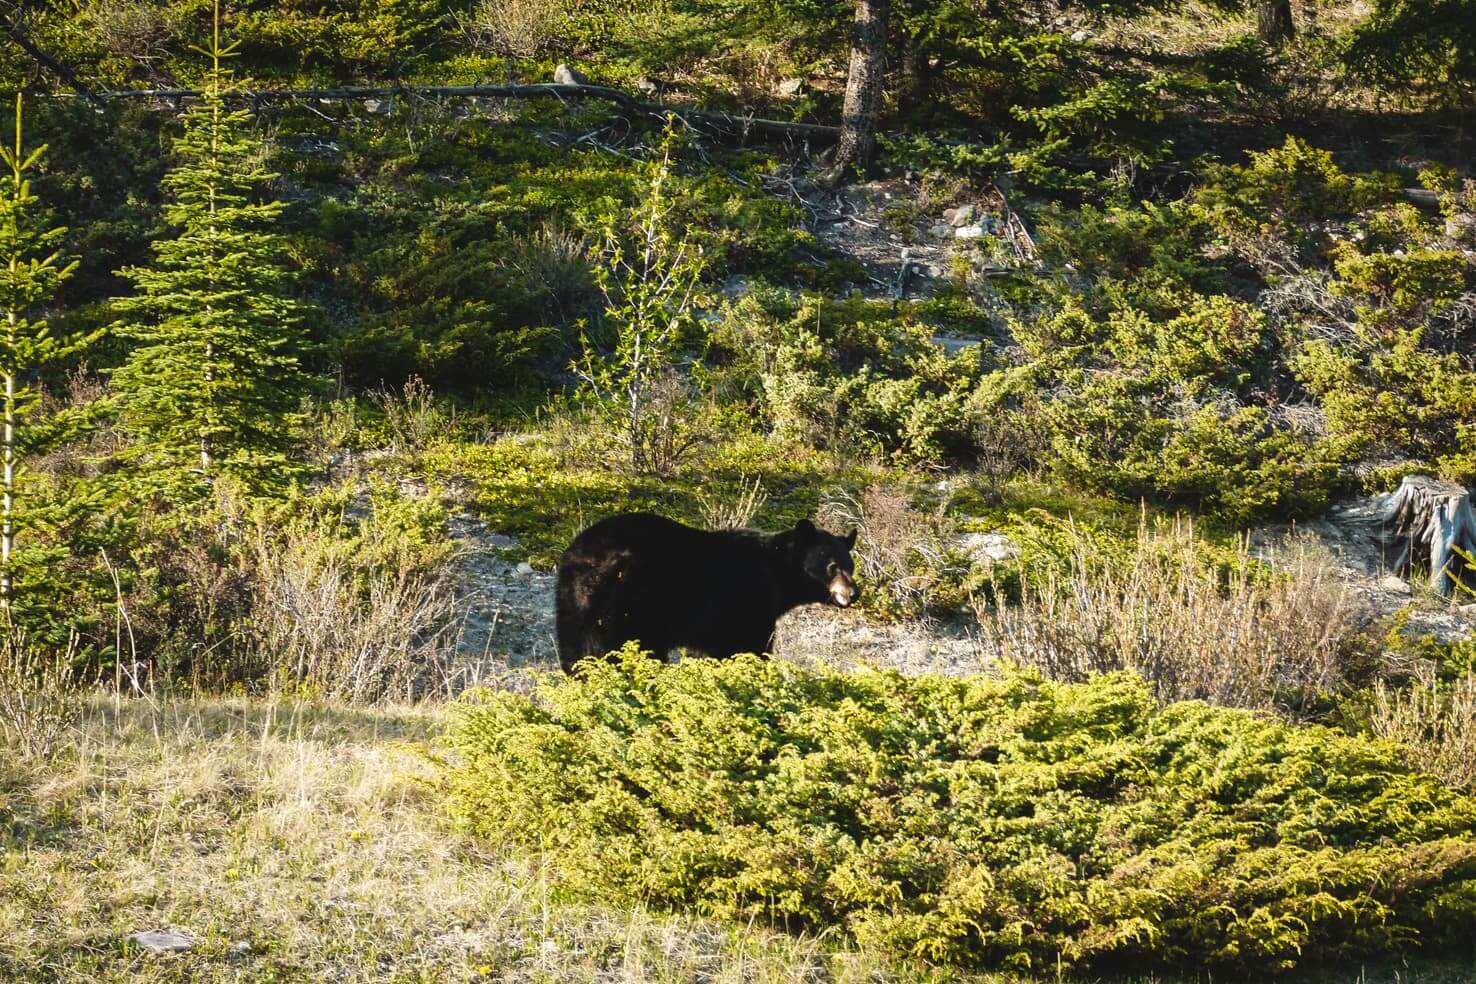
(1423, 527)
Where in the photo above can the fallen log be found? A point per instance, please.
(1424, 527)
(718, 123)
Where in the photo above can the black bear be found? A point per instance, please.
(648, 578)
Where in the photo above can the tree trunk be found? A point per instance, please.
(1424, 527)
(863, 91)
(908, 78)
(1274, 22)
(205, 448)
(7, 524)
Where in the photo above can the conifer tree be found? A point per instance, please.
(214, 385)
(31, 269)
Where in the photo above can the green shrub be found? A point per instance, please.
(853, 373)
(970, 821)
(1162, 407)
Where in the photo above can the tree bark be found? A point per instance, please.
(857, 141)
(1274, 22)
(1424, 527)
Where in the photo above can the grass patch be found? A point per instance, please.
(298, 842)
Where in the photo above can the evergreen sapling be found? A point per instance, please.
(32, 267)
(214, 385)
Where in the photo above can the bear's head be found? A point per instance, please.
(826, 562)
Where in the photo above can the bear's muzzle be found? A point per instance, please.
(842, 590)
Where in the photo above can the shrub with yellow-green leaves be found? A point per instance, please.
(971, 822)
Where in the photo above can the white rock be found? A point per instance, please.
(525, 569)
(1079, 36)
(162, 941)
(969, 232)
(789, 88)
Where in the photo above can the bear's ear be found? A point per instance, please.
(804, 529)
(851, 538)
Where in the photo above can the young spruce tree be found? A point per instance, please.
(31, 269)
(214, 385)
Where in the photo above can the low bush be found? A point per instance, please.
(970, 821)
(346, 592)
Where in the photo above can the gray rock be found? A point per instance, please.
(1396, 584)
(312, 145)
(565, 75)
(525, 569)
(953, 345)
(990, 548)
(162, 941)
(969, 232)
(942, 229)
(1461, 225)
(501, 541)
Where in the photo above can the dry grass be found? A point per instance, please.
(722, 513)
(515, 29)
(899, 550)
(302, 842)
(355, 620)
(1435, 724)
(1236, 634)
(347, 636)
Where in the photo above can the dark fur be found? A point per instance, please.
(647, 578)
